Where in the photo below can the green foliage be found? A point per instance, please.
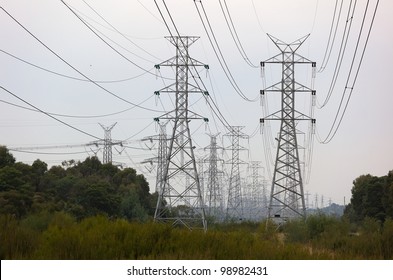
(297, 231)
(82, 189)
(15, 203)
(89, 210)
(6, 158)
(59, 236)
(371, 197)
(387, 239)
(17, 241)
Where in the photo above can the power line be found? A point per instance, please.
(105, 42)
(73, 116)
(49, 115)
(315, 16)
(67, 76)
(46, 153)
(75, 69)
(222, 118)
(234, 35)
(331, 134)
(140, 131)
(326, 57)
(341, 54)
(258, 19)
(221, 60)
(150, 12)
(114, 28)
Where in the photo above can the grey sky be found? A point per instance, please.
(363, 143)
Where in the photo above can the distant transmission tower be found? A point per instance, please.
(107, 155)
(287, 194)
(235, 201)
(214, 195)
(180, 200)
(256, 192)
(161, 154)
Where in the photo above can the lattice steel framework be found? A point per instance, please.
(256, 192)
(161, 154)
(287, 193)
(107, 154)
(180, 199)
(214, 195)
(161, 157)
(235, 201)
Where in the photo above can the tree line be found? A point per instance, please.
(82, 189)
(90, 210)
(89, 188)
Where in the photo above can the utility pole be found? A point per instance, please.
(235, 202)
(107, 154)
(180, 200)
(287, 193)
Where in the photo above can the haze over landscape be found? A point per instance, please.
(136, 30)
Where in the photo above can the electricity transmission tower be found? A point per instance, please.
(256, 192)
(287, 194)
(107, 154)
(161, 154)
(214, 195)
(180, 199)
(235, 202)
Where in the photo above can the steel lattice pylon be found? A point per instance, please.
(161, 154)
(161, 157)
(235, 202)
(107, 154)
(214, 194)
(287, 194)
(256, 192)
(180, 199)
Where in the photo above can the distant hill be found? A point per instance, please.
(333, 210)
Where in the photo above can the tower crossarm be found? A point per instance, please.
(287, 194)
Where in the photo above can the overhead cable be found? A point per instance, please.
(333, 130)
(70, 77)
(49, 115)
(234, 34)
(219, 54)
(75, 69)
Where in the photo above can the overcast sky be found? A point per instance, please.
(362, 144)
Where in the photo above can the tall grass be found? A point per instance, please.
(59, 236)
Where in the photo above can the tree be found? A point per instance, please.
(82, 189)
(6, 158)
(90, 166)
(10, 178)
(38, 168)
(15, 203)
(98, 198)
(371, 197)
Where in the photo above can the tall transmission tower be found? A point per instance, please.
(214, 195)
(287, 193)
(235, 201)
(180, 200)
(107, 154)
